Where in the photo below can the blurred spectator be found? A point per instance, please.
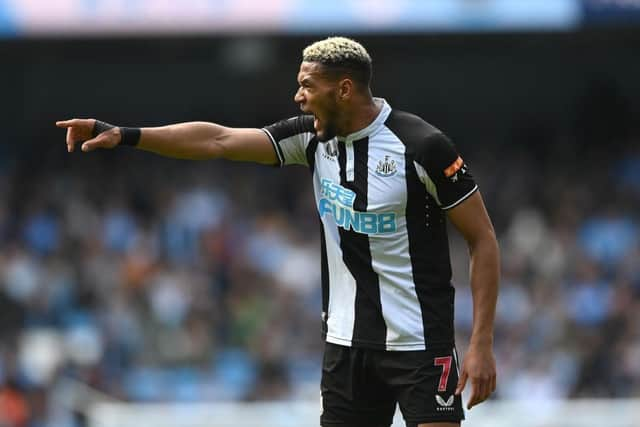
(200, 285)
(14, 409)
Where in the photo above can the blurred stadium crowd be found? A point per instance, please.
(153, 279)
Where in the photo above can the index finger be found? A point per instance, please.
(481, 391)
(64, 123)
(477, 392)
(474, 394)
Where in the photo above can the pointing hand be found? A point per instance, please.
(80, 131)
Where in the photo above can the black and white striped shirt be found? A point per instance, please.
(381, 194)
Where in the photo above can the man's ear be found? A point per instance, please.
(345, 89)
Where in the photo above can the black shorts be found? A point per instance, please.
(360, 387)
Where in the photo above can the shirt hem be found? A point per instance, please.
(386, 346)
(276, 147)
(462, 199)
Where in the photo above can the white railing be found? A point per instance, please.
(570, 413)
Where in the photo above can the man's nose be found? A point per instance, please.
(297, 97)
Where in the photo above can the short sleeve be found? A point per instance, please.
(443, 171)
(290, 139)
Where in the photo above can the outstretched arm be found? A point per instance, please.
(192, 140)
(472, 220)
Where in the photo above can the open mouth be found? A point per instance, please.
(316, 120)
(319, 122)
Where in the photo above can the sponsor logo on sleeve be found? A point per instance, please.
(453, 167)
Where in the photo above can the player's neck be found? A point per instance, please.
(359, 116)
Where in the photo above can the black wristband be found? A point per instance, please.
(128, 136)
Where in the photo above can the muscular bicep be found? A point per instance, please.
(471, 219)
(247, 145)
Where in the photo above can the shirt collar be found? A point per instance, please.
(376, 124)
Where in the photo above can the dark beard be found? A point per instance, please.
(327, 134)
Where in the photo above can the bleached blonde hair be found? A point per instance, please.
(343, 54)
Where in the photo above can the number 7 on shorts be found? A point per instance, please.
(445, 362)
